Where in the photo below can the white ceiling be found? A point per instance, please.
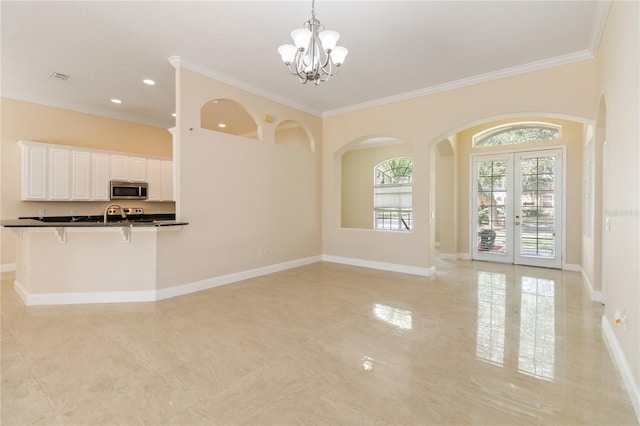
(397, 49)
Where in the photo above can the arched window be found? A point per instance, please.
(392, 193)
(516, 133)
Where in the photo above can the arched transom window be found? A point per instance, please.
(392, 192)
(516, 133)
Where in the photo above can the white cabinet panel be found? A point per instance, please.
(101, 176)
(167, 180)
(154, 178)
(137, 169)
(59, 181)
(81, 175)
(34, 171)
(119, 166)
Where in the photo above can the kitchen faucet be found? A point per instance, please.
(124, 215)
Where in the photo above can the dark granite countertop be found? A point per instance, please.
(144, 220)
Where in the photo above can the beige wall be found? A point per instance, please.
(572, 139)
(240, 196)
(446, 223)
(567, 90)
(28, 121)
(618, 86)
(357, 181)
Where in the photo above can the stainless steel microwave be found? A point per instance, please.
(126, 190)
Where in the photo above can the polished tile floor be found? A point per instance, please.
(323, 344)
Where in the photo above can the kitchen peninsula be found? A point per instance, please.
(67, 260)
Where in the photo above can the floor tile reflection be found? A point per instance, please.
(477, 343)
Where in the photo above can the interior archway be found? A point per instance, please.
(460, 138)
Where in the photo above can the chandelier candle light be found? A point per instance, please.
(315, 56)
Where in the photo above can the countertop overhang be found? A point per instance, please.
(139, 221)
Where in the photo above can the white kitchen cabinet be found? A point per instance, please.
(52, 172)
(100, 174)
(119, 166)
(34, 171)
(59, 174)
(154, 179)
(125, 167)
(137, 169)
(160, 179)
(80, 175)
(167, 180)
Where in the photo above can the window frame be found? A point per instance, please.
(394, 218)
(481, 137)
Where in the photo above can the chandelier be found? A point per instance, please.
(315, 56)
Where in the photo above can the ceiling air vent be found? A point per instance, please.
(59, 76)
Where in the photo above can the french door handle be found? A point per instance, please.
(517, 223)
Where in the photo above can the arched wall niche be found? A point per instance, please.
(229, 116)
(293, 134)
(355, 163)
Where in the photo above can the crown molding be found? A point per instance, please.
(177, 61)
(495, 75)
(597, 27)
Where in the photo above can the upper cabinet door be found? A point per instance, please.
(59, 171)
(34, 171)
(119, 165)
(167, 180)
(101, 176)
(137, 168)
(81, 175)
(154, 178)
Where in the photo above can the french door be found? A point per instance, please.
(517, 208)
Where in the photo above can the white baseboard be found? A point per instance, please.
(394, 267)
(448, 256)
(83, 297)
(8, 267)
(152, 295)
(622, 365)
(572, 267)
(208, 283)
(594, 295)
(464, 256)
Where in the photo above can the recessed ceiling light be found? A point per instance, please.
(149, 82)
(116, 101)
(174, 114)
(222, 125)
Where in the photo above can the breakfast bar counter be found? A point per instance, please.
(60, 261)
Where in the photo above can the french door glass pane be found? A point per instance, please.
(537, 183)
(492, 195)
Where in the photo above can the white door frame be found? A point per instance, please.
(561, 228)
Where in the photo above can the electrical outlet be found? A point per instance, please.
(265, 252)
(41, 212)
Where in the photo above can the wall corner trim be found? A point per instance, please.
(620, 361)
